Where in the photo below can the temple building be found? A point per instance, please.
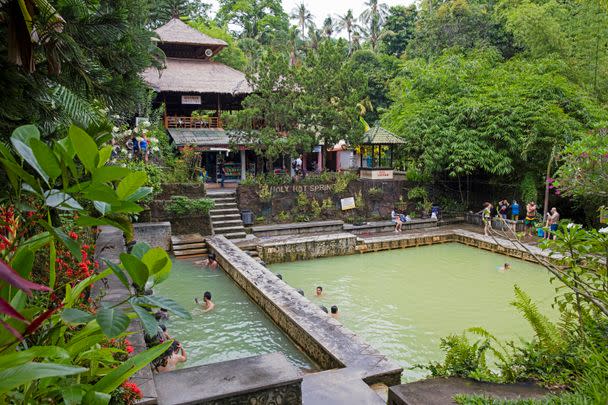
(197, 92)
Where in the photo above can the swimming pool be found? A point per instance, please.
(403, 301)
(236, 328)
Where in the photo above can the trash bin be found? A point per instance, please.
(247, 217)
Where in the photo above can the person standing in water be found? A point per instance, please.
(334, 312)
(207, 305)
(319, 292)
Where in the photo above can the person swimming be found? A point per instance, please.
(334, 312)
(211, 261)
(319, 292)
(207, 305)
(505, 267)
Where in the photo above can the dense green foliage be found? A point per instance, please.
(180, 205)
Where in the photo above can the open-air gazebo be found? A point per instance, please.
(376, 152)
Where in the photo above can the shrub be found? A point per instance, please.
(315, 208)
(418, 193)
(375, 193)
(180, 205)
(283, 216)
(264, 192)
(260, 219)
(302, 202)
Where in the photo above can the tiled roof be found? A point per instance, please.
(178, 32)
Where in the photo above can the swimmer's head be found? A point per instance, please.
(207, 296)
(211, 257)
(319, 290)
(334, 309)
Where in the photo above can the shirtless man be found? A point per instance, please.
(207, 305)
(319, 292)
(211, 261)
(530, 221)
(334, 312)
(552, 222)
(176, 354)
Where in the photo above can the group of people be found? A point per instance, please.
(138, 149)
(175, 354)
(530, 221)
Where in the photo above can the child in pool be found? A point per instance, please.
(505, 267)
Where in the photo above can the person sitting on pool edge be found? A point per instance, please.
(334, 312)
(174, 355)
(319, 292)
(207, 305)
(211, 261)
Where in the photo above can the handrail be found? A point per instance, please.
(192, 122)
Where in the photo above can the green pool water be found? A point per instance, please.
(403, 301)
(236, 328)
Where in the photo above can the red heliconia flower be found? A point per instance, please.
(129, 349)
(73, 235)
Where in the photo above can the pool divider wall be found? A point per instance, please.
(294, 248)
(325, 340)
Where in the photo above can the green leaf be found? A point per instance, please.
(25, 133)
(23, 262)
(168, 303)
(90, 221)
(85, 147)
(112, 321)
(18, 172)
(96, 398)
(106, 174)
(158, 263)
(136, 269)
(58, 199)
(101, 192)
(46, 158)
(15, 376)
(147, 319)
(59, 234)
(102, 207)
(81, 286)
(139, 250)
(73, 394)
(120, 374)
(71, 315)
(47, 352)
(37, 241)
(140, 193)
(130, 184)
(126, 207)
(13, 178)
(104, 155)
(122, 277)
(67, 147)
(28, 156)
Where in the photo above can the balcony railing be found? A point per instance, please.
(193, 122)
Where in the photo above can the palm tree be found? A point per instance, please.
(303, 16)
(373, 19)
(314, 37)
(328, 26)
(347, 22)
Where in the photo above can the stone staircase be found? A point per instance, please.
(187, 246)
(225, 216)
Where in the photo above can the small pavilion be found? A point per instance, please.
(376, 153)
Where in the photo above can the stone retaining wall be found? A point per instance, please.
(192, 190)
(298, 228)
(388, 226)
(291, 249)
(325, 340)
(154, 234)
(180, 225)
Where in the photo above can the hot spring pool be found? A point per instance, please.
(236, 328)
(403, 301)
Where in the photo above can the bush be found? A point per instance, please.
(315, 208)
(375, 193)
(264, 192)
(302, 202)
(283, 216)
(180, 205)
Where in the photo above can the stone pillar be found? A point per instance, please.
(243, 164)
(320, 160)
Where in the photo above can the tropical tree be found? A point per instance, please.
(372, 18)
(400, 26)
(262, 20)
(303, 16)
(232, 55)
(347, 23)
(162, 11)
(328, 26)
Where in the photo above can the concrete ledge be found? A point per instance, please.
(497, 223)
(155, 234)
(439, 391)
(387, 226)
(325, 340)
(265, 379)
(297, 228)
(293, 248)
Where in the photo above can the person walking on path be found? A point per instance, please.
(530, 221)
(222, 174)
(486, 218)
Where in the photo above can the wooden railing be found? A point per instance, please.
(192, 122)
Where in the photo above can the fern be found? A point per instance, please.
(77, 108)
(546, 332)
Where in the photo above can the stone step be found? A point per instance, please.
(227, 222)
(235, 235)
(224, 199)
(225, 205)
(252, 253)
(188, 238)
(224, 211)
(226, 194)
(190, 252)
(228, 229)
(225, 216)
(186, 246)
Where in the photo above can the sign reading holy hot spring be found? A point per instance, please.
(297, 188)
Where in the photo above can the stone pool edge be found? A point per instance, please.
(329, 343)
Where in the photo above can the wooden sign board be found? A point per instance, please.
(348, 203)
(191, 100)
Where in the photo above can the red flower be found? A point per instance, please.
(73, 235)
(129, 349)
